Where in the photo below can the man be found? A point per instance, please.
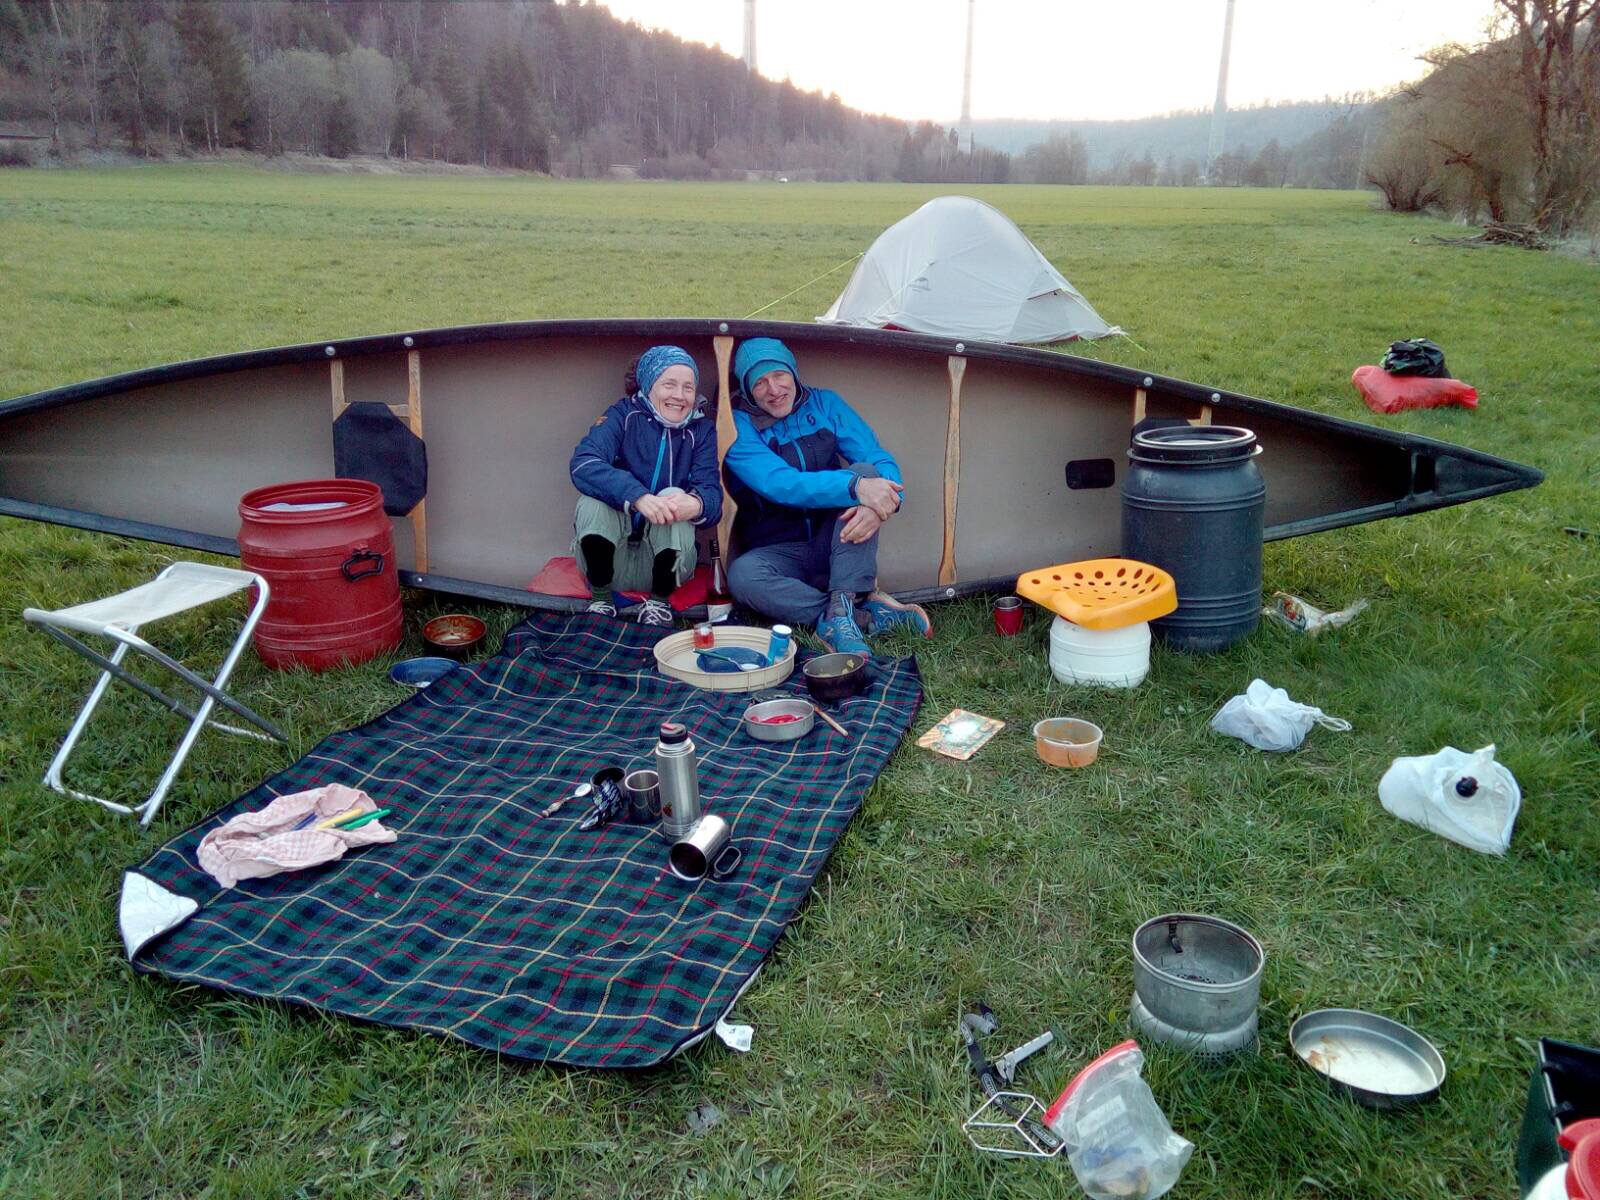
(813, 488)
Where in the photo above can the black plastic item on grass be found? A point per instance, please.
(1416, 356)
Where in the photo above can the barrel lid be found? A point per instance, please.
(1199, 444)
(672, 732)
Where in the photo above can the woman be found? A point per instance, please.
(648, 474)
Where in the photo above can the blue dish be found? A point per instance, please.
(729, 659)
(420, 672)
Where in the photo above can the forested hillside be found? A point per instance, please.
(515, 83)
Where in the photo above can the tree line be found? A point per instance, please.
(1507, 132)
(526, 84)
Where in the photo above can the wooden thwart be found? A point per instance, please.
(1141, 401)
(411, 413)
(723, 346)
(957, 367)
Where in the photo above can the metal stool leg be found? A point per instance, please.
(52, 776)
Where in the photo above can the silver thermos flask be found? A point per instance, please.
(680, 781)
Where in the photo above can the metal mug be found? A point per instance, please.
(1008, 616)
(642, 789)
(609, 802)
(707, 850)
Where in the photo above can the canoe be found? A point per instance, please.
(1012, 456)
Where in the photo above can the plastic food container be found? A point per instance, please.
(1113, 658)
(1067, 741)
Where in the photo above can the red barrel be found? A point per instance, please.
(326, 549)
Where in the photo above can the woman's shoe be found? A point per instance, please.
(654, 612)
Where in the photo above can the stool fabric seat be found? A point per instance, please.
(117, 619)
(181, 587)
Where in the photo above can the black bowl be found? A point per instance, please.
(832, 677)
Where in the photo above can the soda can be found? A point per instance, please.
(778, 647)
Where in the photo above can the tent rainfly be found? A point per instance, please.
(959, 268)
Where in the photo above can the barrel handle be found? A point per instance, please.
(362, 555)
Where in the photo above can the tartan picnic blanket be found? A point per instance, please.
(520, 934)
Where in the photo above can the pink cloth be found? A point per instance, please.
(255, 845)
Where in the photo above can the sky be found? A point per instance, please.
(1071, 59)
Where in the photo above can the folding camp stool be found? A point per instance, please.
(182, 586)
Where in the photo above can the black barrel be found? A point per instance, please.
(1192, 504)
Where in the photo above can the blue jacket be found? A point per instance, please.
(629, 453)
(784, 473)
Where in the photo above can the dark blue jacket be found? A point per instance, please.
(784, 475)
(629, 453)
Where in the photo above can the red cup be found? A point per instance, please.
(1008, 616)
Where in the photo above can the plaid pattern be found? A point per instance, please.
(523, 935)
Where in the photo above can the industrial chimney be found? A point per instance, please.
(1219, 114)
(750, 35)
(966, 85)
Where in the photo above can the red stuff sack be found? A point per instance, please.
(1386, 393)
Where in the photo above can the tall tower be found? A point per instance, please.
(1219, 114)
(966, 84)
(750, 35)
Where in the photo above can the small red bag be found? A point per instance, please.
(1386, 393)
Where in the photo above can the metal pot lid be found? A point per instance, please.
(1376, 1058)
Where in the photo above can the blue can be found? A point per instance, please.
(778, 647)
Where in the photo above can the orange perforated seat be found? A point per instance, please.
(1101, 593)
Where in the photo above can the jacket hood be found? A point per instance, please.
(754, 358)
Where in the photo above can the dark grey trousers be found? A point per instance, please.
(790, 581)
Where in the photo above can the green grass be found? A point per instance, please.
(1000, 879)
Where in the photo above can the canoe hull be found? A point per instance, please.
(165, 453)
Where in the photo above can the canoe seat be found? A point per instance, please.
(1101, 593)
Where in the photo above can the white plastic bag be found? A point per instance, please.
(1267, 719)
(1468, 798)
(1117, 1138)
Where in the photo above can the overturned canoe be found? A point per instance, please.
(1012, 457)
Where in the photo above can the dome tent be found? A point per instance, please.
(958, 267)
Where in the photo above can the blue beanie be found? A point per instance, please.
(656, 360)
(759, 357)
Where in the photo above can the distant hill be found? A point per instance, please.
(1181, 135)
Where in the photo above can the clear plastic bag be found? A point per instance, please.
(1267, 719)
(1117, 1138)
(1468, 798)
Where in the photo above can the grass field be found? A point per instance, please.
(999, 879)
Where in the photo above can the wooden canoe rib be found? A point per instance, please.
(1013, 459)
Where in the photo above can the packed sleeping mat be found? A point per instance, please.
(512, 931)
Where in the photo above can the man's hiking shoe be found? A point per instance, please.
(838, 629)
(601, 608)
(654, 612)
(889, 614)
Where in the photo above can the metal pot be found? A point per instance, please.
(832, 677)
(1197, 982)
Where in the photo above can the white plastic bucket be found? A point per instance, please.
(1101, 658)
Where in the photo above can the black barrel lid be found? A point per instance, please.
(1197, 444)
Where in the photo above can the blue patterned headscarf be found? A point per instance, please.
(656, 360)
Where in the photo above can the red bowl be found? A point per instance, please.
(454, 635)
